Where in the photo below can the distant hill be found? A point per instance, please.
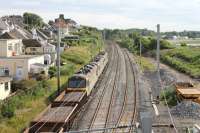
(190, 34)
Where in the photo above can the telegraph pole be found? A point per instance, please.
(58, 58)
(104, 35)
(140, 47)
(158, 58)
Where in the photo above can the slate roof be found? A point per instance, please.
(3, 25)
(31, 43)
(17, 33)
(7, 36)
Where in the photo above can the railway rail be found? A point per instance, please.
(135, 91)
(100, 101)
(116, 104)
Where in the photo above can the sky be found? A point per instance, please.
(172, 15)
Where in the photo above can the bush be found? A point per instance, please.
(183, 44)
(52, 72)
(23, 84)
(29, 89)
(170, 94)
(7, 110)
(41, 77)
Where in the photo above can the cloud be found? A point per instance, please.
(171, 14)
(25, 3)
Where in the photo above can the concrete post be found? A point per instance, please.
(158, 60)
(146, 122)
(58, 59)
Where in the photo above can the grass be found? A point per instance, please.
(183, 59)
(145, 64)
(76, 55)
(31, 107)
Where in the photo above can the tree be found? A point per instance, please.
(183, 44)
(32, 20)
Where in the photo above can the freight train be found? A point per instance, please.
(60, 115)
(86, 78)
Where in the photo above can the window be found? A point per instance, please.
(19, 70)
(10, 47)
(6, 86)
(2, 71)
(33, 49)
(6, 71)
(76, 83)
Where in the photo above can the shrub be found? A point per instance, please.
(183, 44)
(52, 72)
(23, 84)
(41, 77)
(7, 110)
(170, 95)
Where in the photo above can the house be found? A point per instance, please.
(5, 26)
(66, 25)
(14, 63)
(15, 20)
(17, 33)
(10, 47)
(35, 47)
(5, 87)
(19, 67)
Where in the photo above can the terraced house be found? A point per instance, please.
(14, 63)
(36, 47)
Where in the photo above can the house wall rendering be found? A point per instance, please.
(5, 89)
(19, 68)
(10, 47)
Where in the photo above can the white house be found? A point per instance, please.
(5, 87)
(10, 47)
(14, 63)
(36, 47)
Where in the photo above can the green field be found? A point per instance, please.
(184, 59)
(189, 42)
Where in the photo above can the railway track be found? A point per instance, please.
(135, 91)
(111, 79)
(86, 120)
(100, 101)
(115, 102)
(122, 112)
(114, 87)
(129, 88)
